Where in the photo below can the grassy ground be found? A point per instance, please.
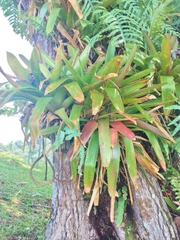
(24, 206)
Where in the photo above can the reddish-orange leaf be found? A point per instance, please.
(113, 137)
(121, 128)
(87, 130)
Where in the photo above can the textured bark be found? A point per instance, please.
(151, 214)
(68, 220)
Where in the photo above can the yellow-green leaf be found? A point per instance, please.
(63, 115)
(73, 166)
(97, 101)
(155, 145)
(35, 117)
(166, 60)
(113, 169)
(131, 161)
(90, 161)
(35, 66)
(75, 91)
(52, 19)
(125, 70)
(75, 114)
(54, 85)
(168, 91)
(115, 98)
(16, 67)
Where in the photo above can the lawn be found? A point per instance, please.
(24, 206)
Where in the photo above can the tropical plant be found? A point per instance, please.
(100, 106)
(110, 106)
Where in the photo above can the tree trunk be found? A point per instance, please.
(69, 220)
(151, 214)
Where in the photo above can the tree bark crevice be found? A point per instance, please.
(68, 220)
(151, 214)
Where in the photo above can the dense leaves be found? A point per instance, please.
(109, 106)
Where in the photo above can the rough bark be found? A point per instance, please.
(151, 214)
(68, 220)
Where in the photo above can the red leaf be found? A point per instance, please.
(121, 128)
(113, 137)
(87, 130)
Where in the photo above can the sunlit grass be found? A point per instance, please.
(24, 206)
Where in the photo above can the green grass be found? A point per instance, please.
(24, 206)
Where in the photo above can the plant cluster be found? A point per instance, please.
(108, 107)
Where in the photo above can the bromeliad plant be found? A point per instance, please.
(102, 107)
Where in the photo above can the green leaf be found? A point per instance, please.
(104, 141)
(110, 51)
(168, 91)
(49, 130)
(131, 161)
(25, 61)
(44, 9)
(44, 71)
(113, 170)
(54, 85)
(58, 97)
(134, 87)
(75, 74)
(47, 59)
(82, 158)
(165, 58)
(71, 133)
(58, 141)
(75, 91)
(92, 70)
(155, 144)
(137, 76)
(16, 67)
(97, 101)
(90, 161)
(35, 66)
(120, 210)
(75, 114)
(115, 98)
(82, 60)
(52, 19)
(35, 118)
(63, 115)
(8, 98)
(150, 44)
(73, 165)
(58, 66)
(125, 70)
(170, 203)
(141, 110)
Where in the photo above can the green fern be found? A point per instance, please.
(125, 20)
(121, 22)
(10, 10)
